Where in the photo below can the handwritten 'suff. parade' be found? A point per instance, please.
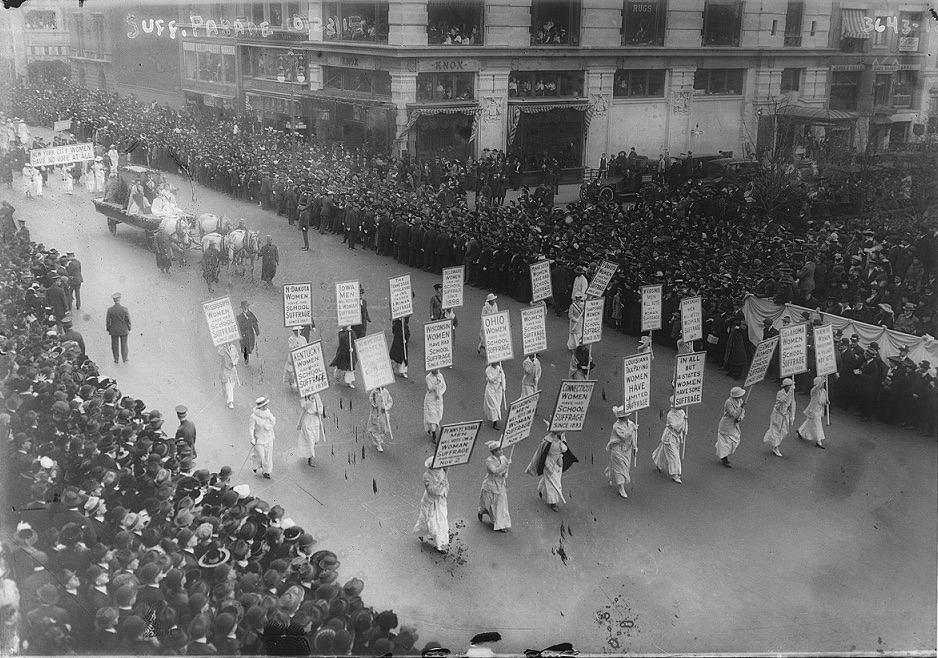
(224, 28)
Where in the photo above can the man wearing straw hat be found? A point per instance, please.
(783, 415)
(623, 449)
(728, 430)
(494, 497)
(261, 431)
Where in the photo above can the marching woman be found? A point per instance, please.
(667, 456)
(344, 359)
(293, 342)
(783, 415)
(549, 463)
(378, 424)
(400, 329)
(433, 403)
(432, 524)
(728, 431)
(494, 393)
(494, 497)
(310, 427)
(812, 429)
(532, 375)
(623, 449)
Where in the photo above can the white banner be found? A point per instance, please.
(793, 350)
(520, 418)
(689, 379)
(59, 155)
(453, 279)
(541, 287)
(593, 320)
(222, 324)
(348, 303)
(651, 308)
(573, 401)
(62, 126)
(692, 318)
(497, 331)
(636, 371)
(602, 278)
(310, 368)
(534, 329)
(824, 355)
(400, 296)
(438, 344)
(456, 444)
(374, 362)
(760, 361)
(297, 304)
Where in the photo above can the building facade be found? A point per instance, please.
(37, 32)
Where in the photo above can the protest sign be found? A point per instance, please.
(541, 287)
(497, 331)
(692, 318)
(456, 443)
(651, 308)
(593, 320)
(793, 350)
(59, 155)
(824, 357)
(373, 360)
(400, 296)
(222, 324)
(348, 303)
(310, 368)
(601, 279)
(689, 378)
(573, 401)
(453, 278)
(438, 344)
(760, 361)
(534, 329)
(62, 126)
(636, 377)
(520, 417)
(297, 304)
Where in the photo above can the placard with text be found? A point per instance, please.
(496, 328)
(593, 320)
(793, 350)
(573, 401)
(760, 361)
(453, 280)
(222, 324)
(541, 287)
(456, 443)
(692, 318)
(348, 303)
(438, 344)
(373, 361)
(689, 379)
(601, 279)
(400, 297)
(520, 418)
(824, 356)
(534, 329)
(651, 308)
(310, 368)
(636, 377)
(297, 304)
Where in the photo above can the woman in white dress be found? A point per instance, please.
(295, 341)
(432, 524)
(494, 393)
(67, 179)
(548, 464)
(623, 449)
(379, 425)
(494, 497)
(488, 308)
(783, 415)
(667, 456)
(433, 403)
(728, 430)
(812, 429)
(310, 427)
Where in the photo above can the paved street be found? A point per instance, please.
(819, 551)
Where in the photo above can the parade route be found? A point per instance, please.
(824, 550)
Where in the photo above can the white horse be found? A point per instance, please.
(241, 244)
(177, 230)
(209, 223)
(216, 239)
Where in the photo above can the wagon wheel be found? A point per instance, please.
(112, 226)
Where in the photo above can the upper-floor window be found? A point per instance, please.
(791, 80)
(636, 83)
(845, 90)
(854, 37)
(271, 63)
(372, 83)
(209, 62)
(903, 88)
(794, 16)
(454, 22)
(643, 22)
(528, 84)
(881, 36)
(41, 20)
(718, 82)
(555, 23)
(910, 26)
(445, 86)
(722, 22)
(356, 21)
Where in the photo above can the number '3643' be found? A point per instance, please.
(881, 24)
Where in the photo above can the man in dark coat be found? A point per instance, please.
(270, 258)
(401, 237)
(117, 323)
(73, 269)
(186, 430)
(69, 334)
(305, 211)
(870, 376)
(55, 297)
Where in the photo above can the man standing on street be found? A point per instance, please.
(74, 276)
(261, 431)
(247, 325)
(55, 297)
(270, 258)
(305, 210)
(186, 430)
(70, 334)
(117, 324)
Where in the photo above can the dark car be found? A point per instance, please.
(617, 186)
(734, 170)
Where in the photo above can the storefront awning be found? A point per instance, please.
(515, 110)
(349, 98)
(854, 23)
(415, 113)
(817, 114)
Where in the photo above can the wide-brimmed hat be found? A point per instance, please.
(491, 297)
(820, 379)
(491, 445)
(429, 462)
(788, 381)
(261, 403)
(214, 557)
(620, 411)
(737, 392)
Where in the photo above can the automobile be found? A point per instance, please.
(736, 170)
(678, 166)
(618, 186)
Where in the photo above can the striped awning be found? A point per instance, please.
(855, 24)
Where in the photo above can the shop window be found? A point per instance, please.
(845, 87)
(372, 83)
(638, 84)
(551, 137)
(794, 17)
(718, 82)
(445, 86)
(454, 23)
(228, 68)
(909, 30)
(293, 11)
(356, 21)
(722, 22)
(190, 62)
(643, 22)
(533, 84)
(555, 23)
(791, 80)
(41, 20)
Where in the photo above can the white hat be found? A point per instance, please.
(620, 411)
(261, 402)
(737, 392)
(242, 490)
(644, 340)
(788, 381)
(493, 445)
(429, 462)
(297, 328)
(491, 297)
